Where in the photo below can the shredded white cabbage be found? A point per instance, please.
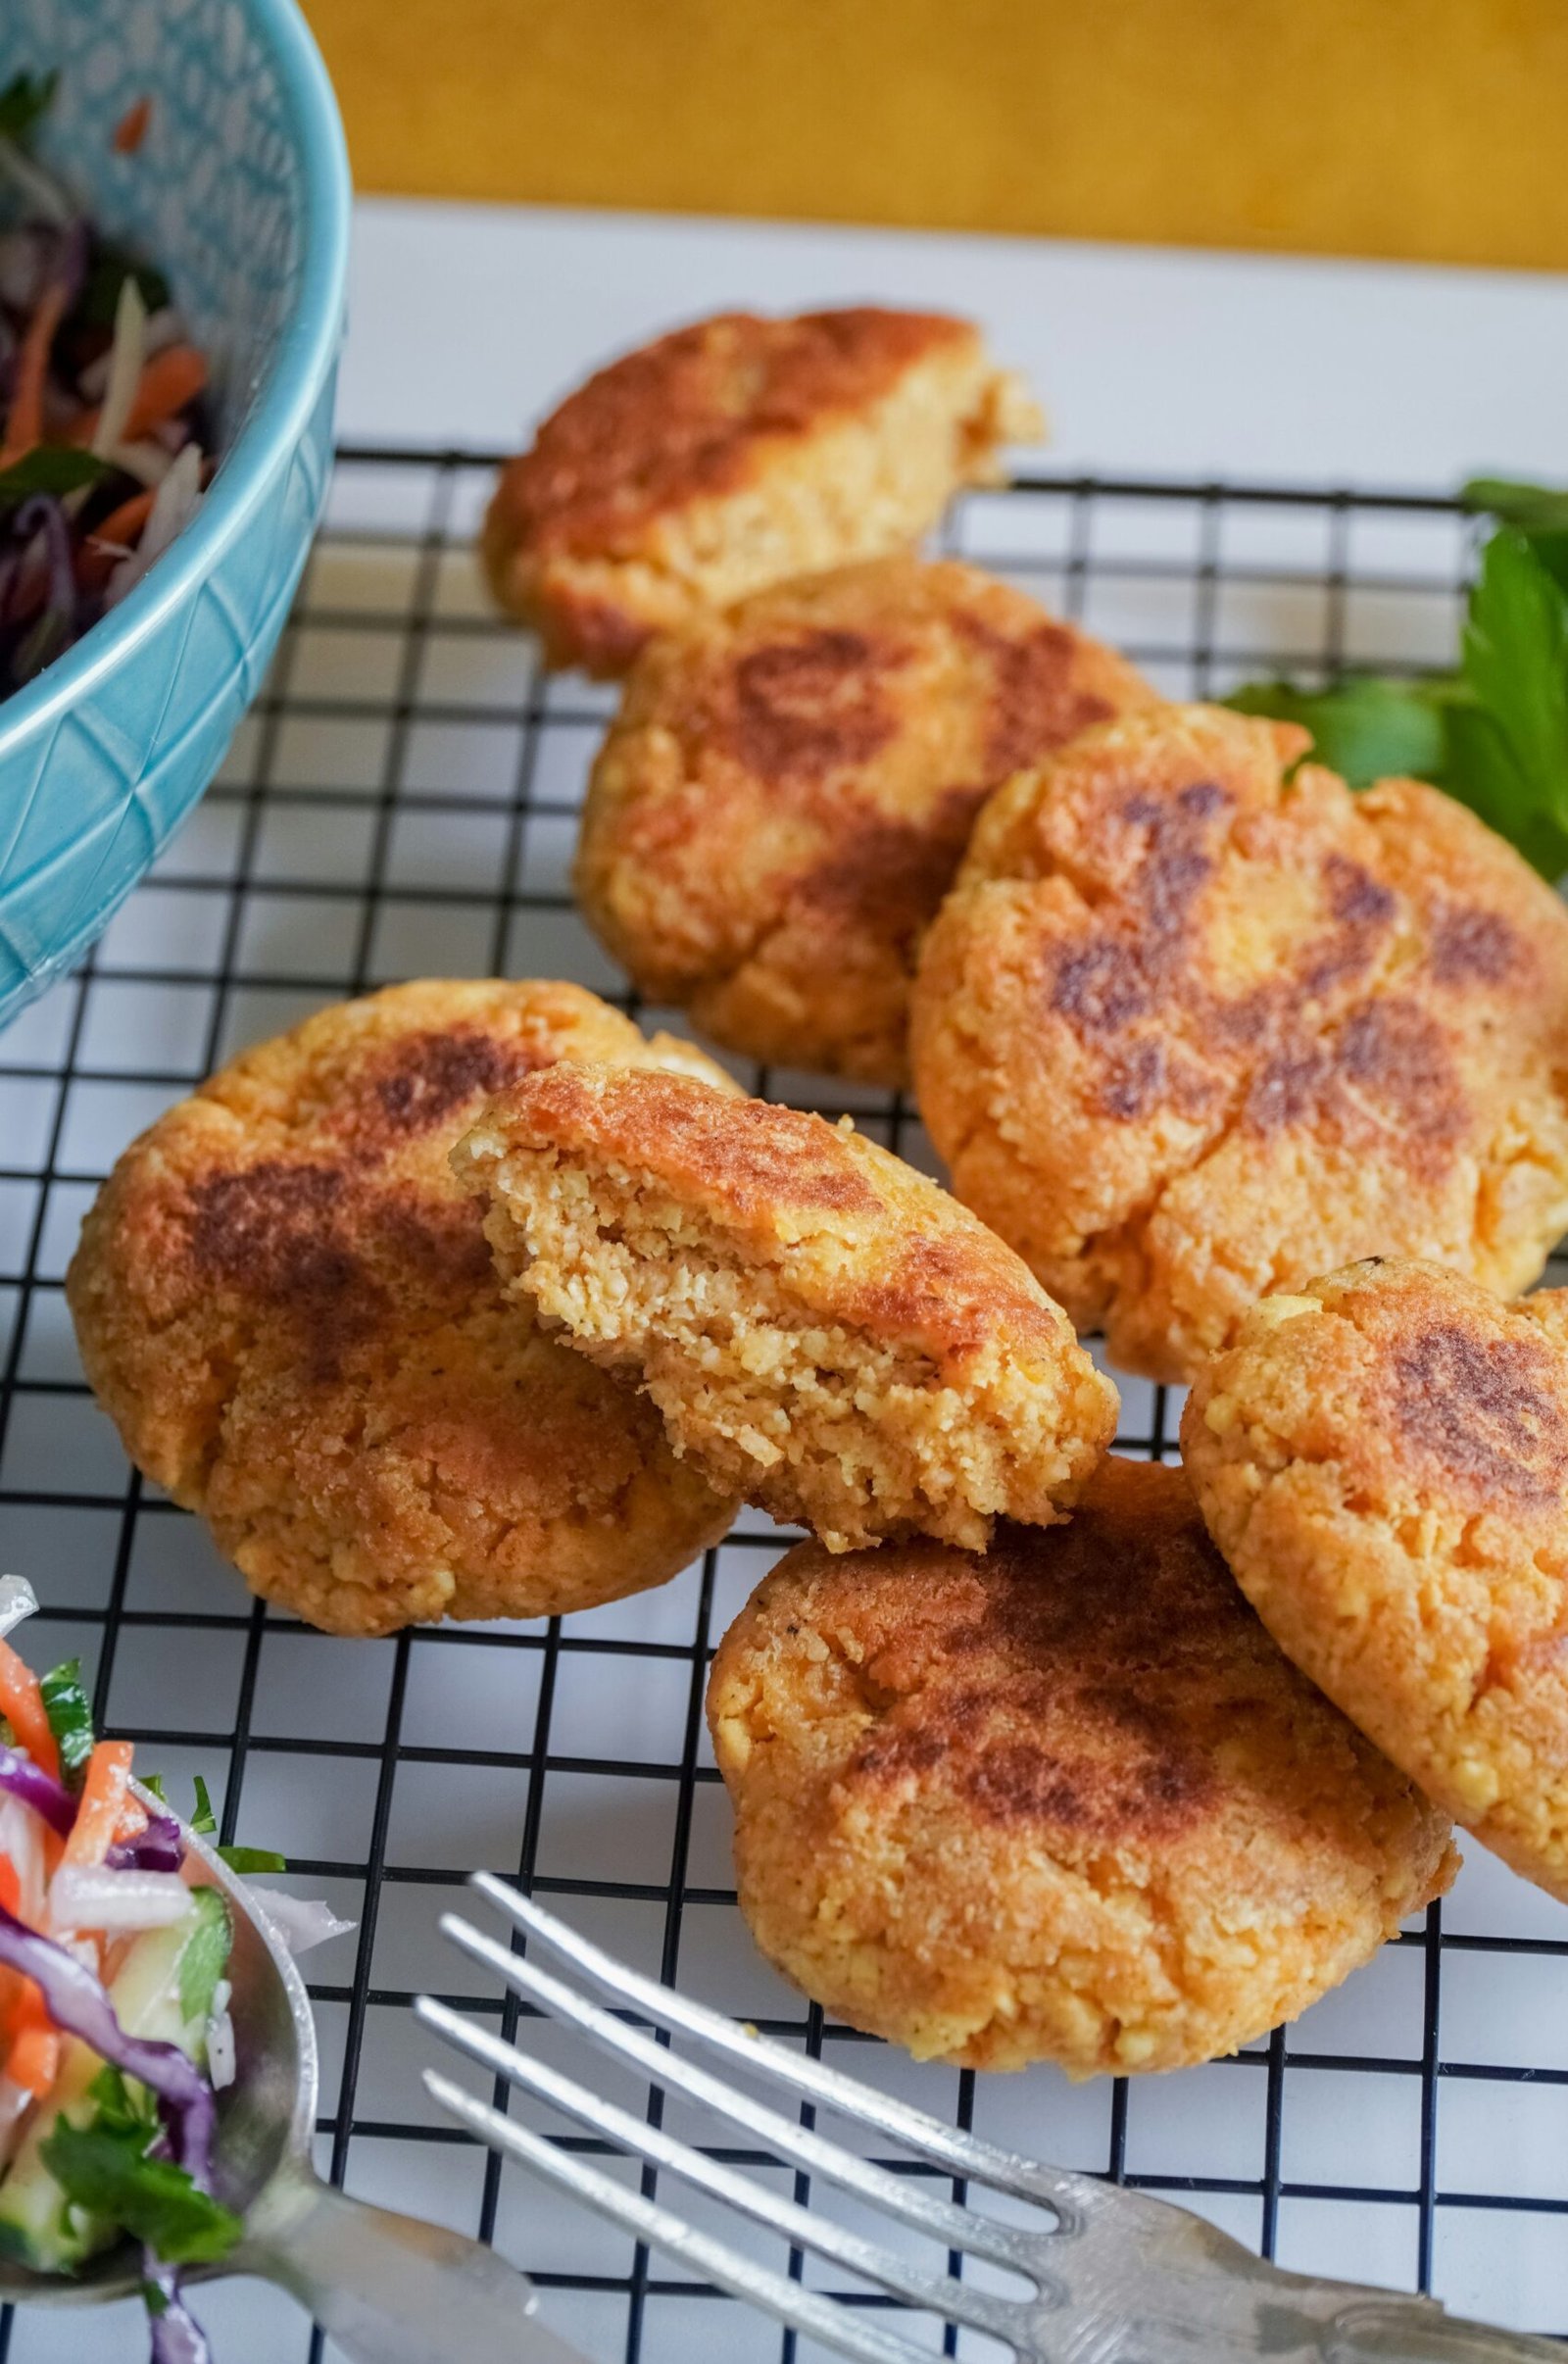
(300, 1921)
(174, 504)
(220, 2061)
(21, 1839)
(18, 1599)
(83, 1896)
(163, 328)
(14, 2102)
(126, 358)
(145, 460)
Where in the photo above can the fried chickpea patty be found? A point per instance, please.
(286, 1304)
(1060, 1801)
(789, 787)
(822, 1329)
(734, 453)
(1384, 1461)
(1195, 1025)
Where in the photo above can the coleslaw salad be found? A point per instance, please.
(103, 446)
(115, 2028)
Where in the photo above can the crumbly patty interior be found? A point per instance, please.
(752, 1381)
(738, 453)
(1382, 1459)
(832, 1362)
(289, 1309)
(1063, 1801)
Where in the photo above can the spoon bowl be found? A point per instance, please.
(389, 2289)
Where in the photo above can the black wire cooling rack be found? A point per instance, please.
(402, 801)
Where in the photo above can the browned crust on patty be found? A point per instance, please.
(288, 1307)
(1195, 1024)
(916, 1266)
(1062, 1799)
(684, 415)
(810, 1315)
(1383, 1457)
(633, 507)
(787, 791)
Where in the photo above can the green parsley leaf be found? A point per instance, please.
(109, 2173)
(204, 1957)
(51, 467)
(1367, 730)
(1509, 736)
(122, 2107)
(244, 1860)
(65, 1703)
(1533, 508)
(24, 98)
(1495, 734)
(1540, 512)
(153, 1784)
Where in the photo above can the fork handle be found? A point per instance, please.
(389, 2289)
(1405, 2330)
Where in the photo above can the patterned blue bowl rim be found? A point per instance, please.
(296, 373)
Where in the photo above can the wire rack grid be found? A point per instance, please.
(401, 802)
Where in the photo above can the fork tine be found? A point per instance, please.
(941, 2294)
(822, 2319)
(1073, 2196)
(896, 2195)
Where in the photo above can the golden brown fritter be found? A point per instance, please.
(789, 787)
(822, 1329)
(1383, 1459)
(735, 453)
(287, 1307)
(1194, 1025)
(1060, 1801)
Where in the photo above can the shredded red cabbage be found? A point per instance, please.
(177, 2336)
(40, 1791)
(157, 1848)
(78, 2002)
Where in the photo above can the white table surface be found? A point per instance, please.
(466, 323)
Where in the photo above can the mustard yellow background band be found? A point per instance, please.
(1426, 129)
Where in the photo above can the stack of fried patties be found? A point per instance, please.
(467, 1300)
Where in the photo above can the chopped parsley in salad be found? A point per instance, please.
(115, 2027)
(103, 442)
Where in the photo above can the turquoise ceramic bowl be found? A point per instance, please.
(240, 193)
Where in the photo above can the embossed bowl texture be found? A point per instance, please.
(239, 192)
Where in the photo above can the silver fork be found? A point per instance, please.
(1118, 2278)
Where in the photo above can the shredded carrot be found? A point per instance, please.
(132, 128)
(19, 1997)
(32, 2043)
(101, 1805)
(24, 424)
(124, 524)
(133, 1821)
(170, 381)
(21, 1705)
(35, 2061)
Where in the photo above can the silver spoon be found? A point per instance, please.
(389, 2289)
